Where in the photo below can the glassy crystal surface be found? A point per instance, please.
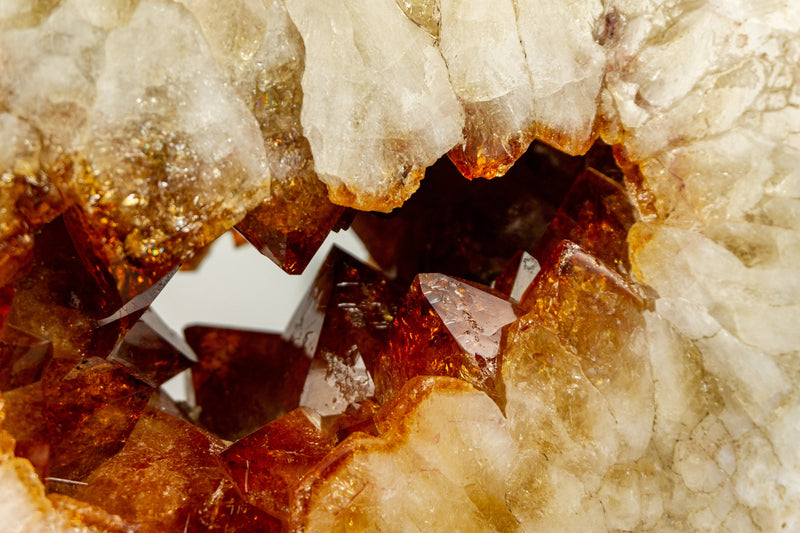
(650, 384)
(432, 421)
(152, 352)
(517, 276)
(291, 226)
(22, 357)
(596, 214)
(244, 379)
(169, 477)
(267, 465)
(445, 327)
(76, 417)
(370, 151)
(342, 325)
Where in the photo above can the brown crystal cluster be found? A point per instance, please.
(300, 429)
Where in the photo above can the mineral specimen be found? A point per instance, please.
(634, 367)
(341, 324)
(446, 327)
(244, 379)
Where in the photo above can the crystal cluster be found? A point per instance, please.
(604, 337)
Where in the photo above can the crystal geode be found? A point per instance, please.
(604, 337)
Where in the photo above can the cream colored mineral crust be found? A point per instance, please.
(685, 417)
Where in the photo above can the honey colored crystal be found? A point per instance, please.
(75, 418)
(342, 324)
(445, 327)
(58, 299)
(439, 436)
(25, 507)
(161, 175)
(596, 214)
(169, 477)
(28, 196)
(22, 357)
(244, 379)
(152, 352)
(268, 464)
(290, 227)
(578, 388)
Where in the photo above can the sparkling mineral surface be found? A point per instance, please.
(604, 337)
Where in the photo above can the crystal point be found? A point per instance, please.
(342, 325)
(446, 327)
(244, 379)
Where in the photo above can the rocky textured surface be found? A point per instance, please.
(650, 383)
(393, 111)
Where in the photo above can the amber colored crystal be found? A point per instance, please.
(244, 379)
(290, 227)
(469, 229)
(15, 252)
(476, 159)
(22, 357)
(169, 477)
(6, 298)
(29, 197)
(596, 214)
(572, 280)
(267, 464)
(581, 350)
(25, 420)
(152, 352)
(596, 314)
(238, 239)
(342, 324)
(517, 276)
(358, 417)
(76, 417)
(446, 327)
(437, 462)
(91, 408)
(195, 260)
(100, 252)
(59, 300)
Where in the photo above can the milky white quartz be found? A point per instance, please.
(378, 106)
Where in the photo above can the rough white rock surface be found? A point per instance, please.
(378, 106)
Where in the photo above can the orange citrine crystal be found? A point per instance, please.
(446, 327)
(244, 379)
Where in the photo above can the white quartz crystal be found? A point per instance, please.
(439, 464)
(481, 46)
(378, 106)
(566, 65)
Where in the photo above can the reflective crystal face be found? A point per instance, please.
(604, 337)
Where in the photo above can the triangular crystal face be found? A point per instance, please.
(446, 327)
(290, 227)
(74, 418)
(342, 324)
(152, 352)
(244, 379)
(170, 477)
(596, 214)
(22, 357)
(266, 464)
